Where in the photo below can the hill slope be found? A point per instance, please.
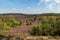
(21, 23)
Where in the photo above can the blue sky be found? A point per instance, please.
(30, 6)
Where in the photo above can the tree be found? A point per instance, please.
(35, 31)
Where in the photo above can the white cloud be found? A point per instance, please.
(50, 7)
(57, 1)
(50, 3)
(46, 0)
(54, 1)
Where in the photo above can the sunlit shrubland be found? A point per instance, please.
(8, 22)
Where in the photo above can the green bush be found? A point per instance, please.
(28, 23)
(8, 23)
(49, 26)
(35, 31)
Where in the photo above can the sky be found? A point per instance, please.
(30, 6)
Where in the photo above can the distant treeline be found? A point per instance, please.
(45, 14)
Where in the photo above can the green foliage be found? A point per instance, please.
(35, 31)
(28, 23)
(49, 26)
(8, 22)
